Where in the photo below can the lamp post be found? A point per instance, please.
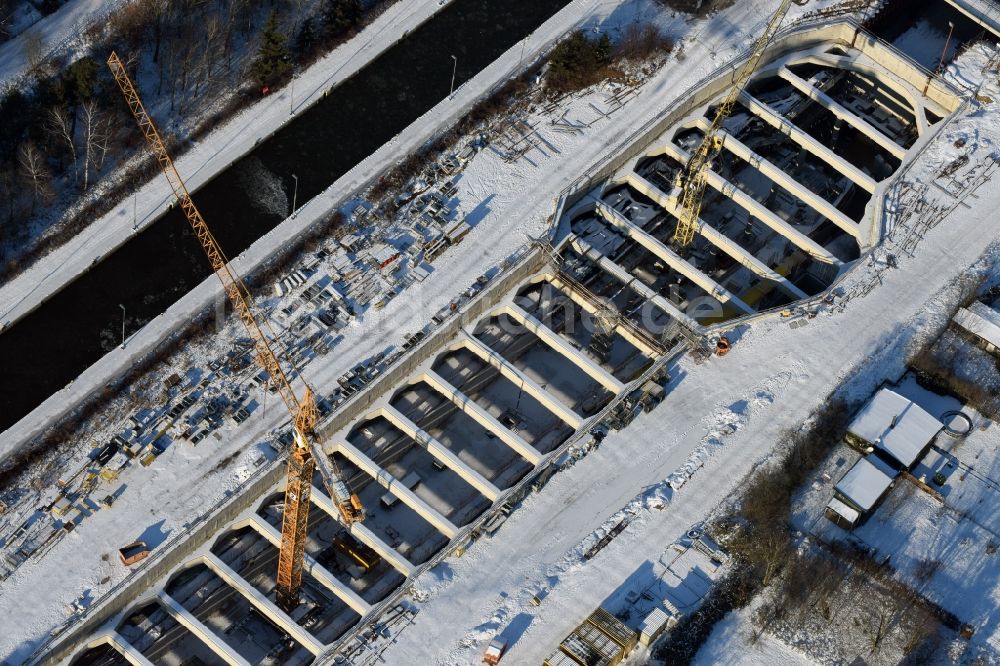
(295, 193)
(123, 324)
(454, 69)
(291, 97)
(947, 42)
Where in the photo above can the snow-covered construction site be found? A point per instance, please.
(543, 385)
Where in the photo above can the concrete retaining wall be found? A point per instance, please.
(531, 263)
(845, 33)
(161, 565)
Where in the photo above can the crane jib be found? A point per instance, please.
(303, 457)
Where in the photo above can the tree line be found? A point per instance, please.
(195, 63)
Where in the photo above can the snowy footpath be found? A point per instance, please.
(53, 34)
(208, 157)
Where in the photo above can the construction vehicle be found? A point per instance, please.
(691, 179)
(305, 454)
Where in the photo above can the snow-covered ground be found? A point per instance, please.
(723, 413)
(731, 643)
(55, 32)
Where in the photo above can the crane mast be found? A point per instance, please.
(691, 179)
(305, 451)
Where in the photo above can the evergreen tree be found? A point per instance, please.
(340, 16)
(271, 63)
(49, 7)
(305, 41)
(577, 61)
(80, 80)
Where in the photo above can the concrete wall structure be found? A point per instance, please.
(191, 546)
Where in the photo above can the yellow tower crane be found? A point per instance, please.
(691, 179)
(306, 452)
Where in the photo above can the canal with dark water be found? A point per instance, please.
(52, 345)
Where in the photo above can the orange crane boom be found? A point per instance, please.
(691, 179)
(306, 450)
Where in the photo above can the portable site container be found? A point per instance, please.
(61, 507)
(653, 625)
(132, 553)
(584, 653)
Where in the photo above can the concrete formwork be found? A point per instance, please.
(453, 334)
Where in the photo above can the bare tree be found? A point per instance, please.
(770, 547)
(34, 171)
(210, 52)
(92, 131)
(61, 127)
(879, 629)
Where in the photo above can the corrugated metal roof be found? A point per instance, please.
(896, 425)
(849, 514)
(981, 320)
(866, 482)
(613, 627)
(654, 622)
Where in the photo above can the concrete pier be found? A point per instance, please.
(559, 344)
(811, 145)
(396, 487)
(671, 258)
(264, 605)
(212, 641)
(122, 647)
(816, 202)
(636, 285)
(510, 438)
(314, 568)
(827, 102)
(437, 449)
(523, 381)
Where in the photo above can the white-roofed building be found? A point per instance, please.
(982, 323)
(898, 429)
(860, 491)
